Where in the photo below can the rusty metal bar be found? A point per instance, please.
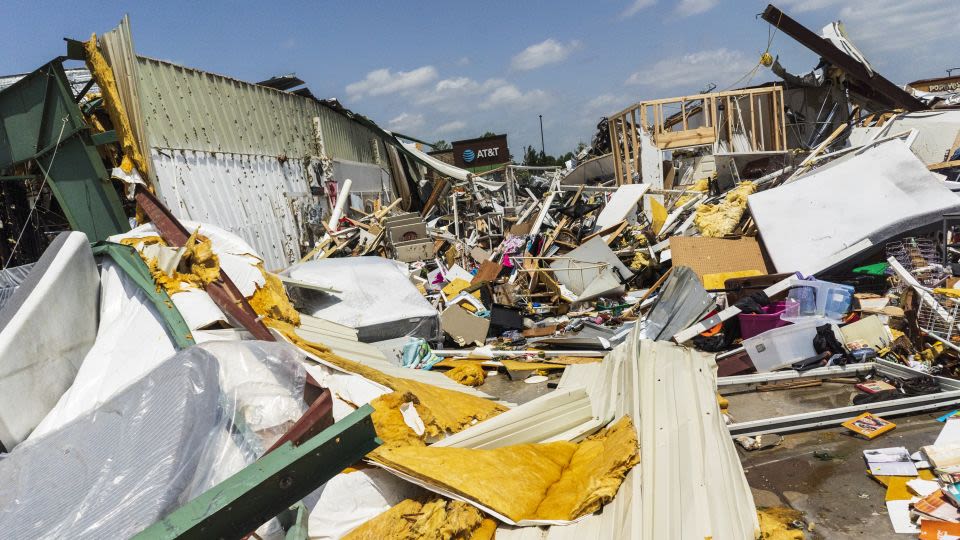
(223, 292)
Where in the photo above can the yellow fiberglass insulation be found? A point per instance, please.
(198, 266)
(103, 74)
(776, 523)
(389, 423)
(718, 220)
(467, 374)
(437, 519)
(640, 260)
(443, 411)
(549, 481)
(271, 300)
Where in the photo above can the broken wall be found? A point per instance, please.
(238, 155)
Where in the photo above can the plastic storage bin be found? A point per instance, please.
(752, 324)
(780, 347)
(817, 299)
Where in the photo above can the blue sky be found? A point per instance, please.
(456, 70)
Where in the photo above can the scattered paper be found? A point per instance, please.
(899, 512)
(890, 462)
(923, 487)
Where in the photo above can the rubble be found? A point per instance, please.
(287, 321)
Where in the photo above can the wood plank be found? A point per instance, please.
(489, 270)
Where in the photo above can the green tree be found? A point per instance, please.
(530, 157)
(441, 145)
(489, 134)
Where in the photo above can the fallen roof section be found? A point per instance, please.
(692, 475)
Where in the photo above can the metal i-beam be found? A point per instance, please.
(40, 122)
(886, 91)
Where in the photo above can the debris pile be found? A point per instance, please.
(330, 333)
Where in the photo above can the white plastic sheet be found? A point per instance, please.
(185, 426)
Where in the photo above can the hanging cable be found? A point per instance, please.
(46, 175)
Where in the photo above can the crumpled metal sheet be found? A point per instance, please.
(682, 301)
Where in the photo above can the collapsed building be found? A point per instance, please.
(231, 309)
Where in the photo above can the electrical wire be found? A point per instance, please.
(46, 176)
(771, 32)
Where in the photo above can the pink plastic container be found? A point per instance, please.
(755, 324)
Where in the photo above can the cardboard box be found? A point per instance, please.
(717, 255)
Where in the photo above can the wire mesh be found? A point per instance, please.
(940, 316)
(919, 255)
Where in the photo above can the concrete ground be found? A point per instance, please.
(822, 473)
(514, 390)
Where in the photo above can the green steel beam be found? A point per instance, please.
(130, 262)
(271, 485)
(41, 123)
(106, 137)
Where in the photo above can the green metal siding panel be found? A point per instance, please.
(189, 109)
(345, 139)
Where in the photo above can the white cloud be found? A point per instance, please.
(687, 8)
(636, 7)
(720, 66)
(449, 127)
(463, 93)
(406, 122)
(382, 82)
(801, 6)
(544, 53)
(607, 103)
(510, 96)
(881, 26)
(463, 61)
(904, 39)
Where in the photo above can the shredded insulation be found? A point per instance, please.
(777, 523)
(437, 519)
(558, 481)
(389, 422)
(443, 411)
(467, 374)
(640, 261)
(197, 267)
(271, 300)
(718, 220)
(103, 74)
(506, 363)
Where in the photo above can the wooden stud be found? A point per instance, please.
(636, 145)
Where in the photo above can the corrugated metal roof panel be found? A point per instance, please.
(189, 109)
(259, 198)
(689, 466)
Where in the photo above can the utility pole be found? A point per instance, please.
(542, 150)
